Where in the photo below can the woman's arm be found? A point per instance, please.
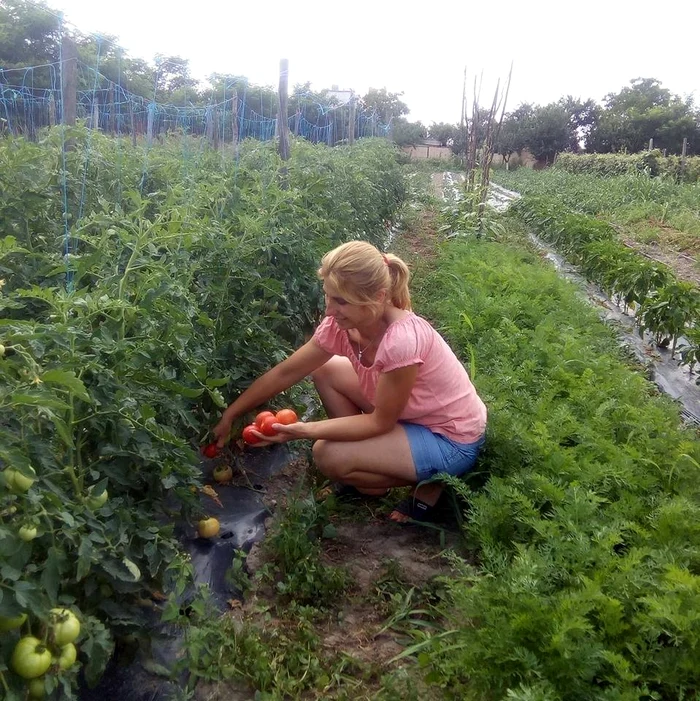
(301, 363)
(393, 391)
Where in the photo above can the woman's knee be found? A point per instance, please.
(325, 458)
(328, 370)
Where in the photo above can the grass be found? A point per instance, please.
(636, 203)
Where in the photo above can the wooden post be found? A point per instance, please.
(215, 129)
(112, 122)
(651, 144)
(69, 82)
(234, 122)
(52, 111)
(132, 123)
(351, 122)
(297, 122)
(95, 114)
(329, 136)
(684, 150)
(149, 125)
(283, 127)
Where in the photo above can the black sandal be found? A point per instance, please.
(415, 509)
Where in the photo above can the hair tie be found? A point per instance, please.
(385, 259)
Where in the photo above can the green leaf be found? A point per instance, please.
(68, 379)
(23, 399)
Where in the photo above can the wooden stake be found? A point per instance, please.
(69, 82)
(283, 127)
(351, 121)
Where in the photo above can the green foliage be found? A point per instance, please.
(621, 199)
(642, 111)
(183, 282)
(586, 533)
(294, 550)
(652, 162)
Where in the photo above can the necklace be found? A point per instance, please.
(360, 351)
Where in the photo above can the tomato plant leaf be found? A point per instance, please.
(84, 559)
(51, 575)
(68, 379)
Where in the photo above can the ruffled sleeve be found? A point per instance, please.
(330, 337)
(401, 348)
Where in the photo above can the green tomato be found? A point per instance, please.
(16, 481)
(95, 503)
(27, 533)
(12, 623)
(66, 626)
(68, 656)
(30, 658)
(37, 689)
(2, 350)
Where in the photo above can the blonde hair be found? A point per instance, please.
(359, 272)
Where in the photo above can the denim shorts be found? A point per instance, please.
(434, 453)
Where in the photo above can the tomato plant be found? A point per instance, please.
(208, 527)
(30, 658)
(286, 416)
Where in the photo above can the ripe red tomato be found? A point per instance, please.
(287, 416)
(267, 424)
(261, 417)
(211, 450)
(248, 436)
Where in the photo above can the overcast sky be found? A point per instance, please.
(558, 48)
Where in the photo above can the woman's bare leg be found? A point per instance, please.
(374, 465)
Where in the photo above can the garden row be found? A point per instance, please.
(185, 275)
(583, 514)
(664, 306)
(652, 162)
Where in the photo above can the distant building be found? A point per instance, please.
(428, 148)
(342, 97)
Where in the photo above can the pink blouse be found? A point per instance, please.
(443, 397)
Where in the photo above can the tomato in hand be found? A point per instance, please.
(30, 658)
(267, 424)
(261, 417)
(286, 417)
(248, 436)
(211, 450)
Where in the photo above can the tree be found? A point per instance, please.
(30, 35)
(172, 79)
(582, 117)
(641, 111)
(386, 105)
(443, 132)
(405, 133)
(549, 132)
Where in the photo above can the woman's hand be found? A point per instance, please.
(222, 430)
(285, 433)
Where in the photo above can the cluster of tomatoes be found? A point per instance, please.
(264, 423)
(209, 527)
(32, 657)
